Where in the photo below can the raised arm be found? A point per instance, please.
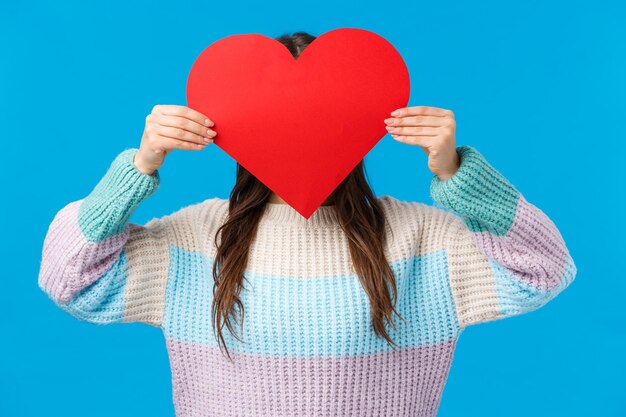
(95, 264)
(99, 267)
(505, 256)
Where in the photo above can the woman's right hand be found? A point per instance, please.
(171, 127)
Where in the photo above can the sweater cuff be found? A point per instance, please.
(478, 192)
(106, 210)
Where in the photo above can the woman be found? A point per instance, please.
(318, 336)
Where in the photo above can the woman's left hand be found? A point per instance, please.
(431, 128)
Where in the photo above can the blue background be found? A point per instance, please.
(538, 87)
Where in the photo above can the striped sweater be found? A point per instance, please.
(480, 253)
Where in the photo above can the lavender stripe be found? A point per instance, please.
(70, 262)
(404, 382)
(532, 250)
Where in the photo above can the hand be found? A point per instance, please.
(431, 128)
(171, 127)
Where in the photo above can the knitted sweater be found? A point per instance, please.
(480, 253)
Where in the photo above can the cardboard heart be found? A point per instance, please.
(299, 126)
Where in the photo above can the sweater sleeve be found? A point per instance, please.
(505, 256)
(99, 267)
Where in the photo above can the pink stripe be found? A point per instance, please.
(70, 262)
(399, 383)
(532, 250)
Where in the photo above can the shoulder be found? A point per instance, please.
(424, 224)
(403, 213)
(207, 210)
(192, 226)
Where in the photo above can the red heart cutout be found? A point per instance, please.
(299, 126)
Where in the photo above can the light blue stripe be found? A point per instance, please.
(314, 315)
(516, 297)
(103, 301)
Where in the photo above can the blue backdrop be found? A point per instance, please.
(538, 87)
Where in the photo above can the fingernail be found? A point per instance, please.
(389, 128)
(211, 133)
(388, 120)
(395, 113)
(208, 122)
(207, 140)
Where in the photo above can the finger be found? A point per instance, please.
(423, 141)
(414, 130)
(186, 124)
(421, 111)
(433, 121)
(179, 134)
(170, 144)
(183, 111)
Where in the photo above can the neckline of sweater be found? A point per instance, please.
(323, 216)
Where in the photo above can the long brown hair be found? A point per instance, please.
(360, 217)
